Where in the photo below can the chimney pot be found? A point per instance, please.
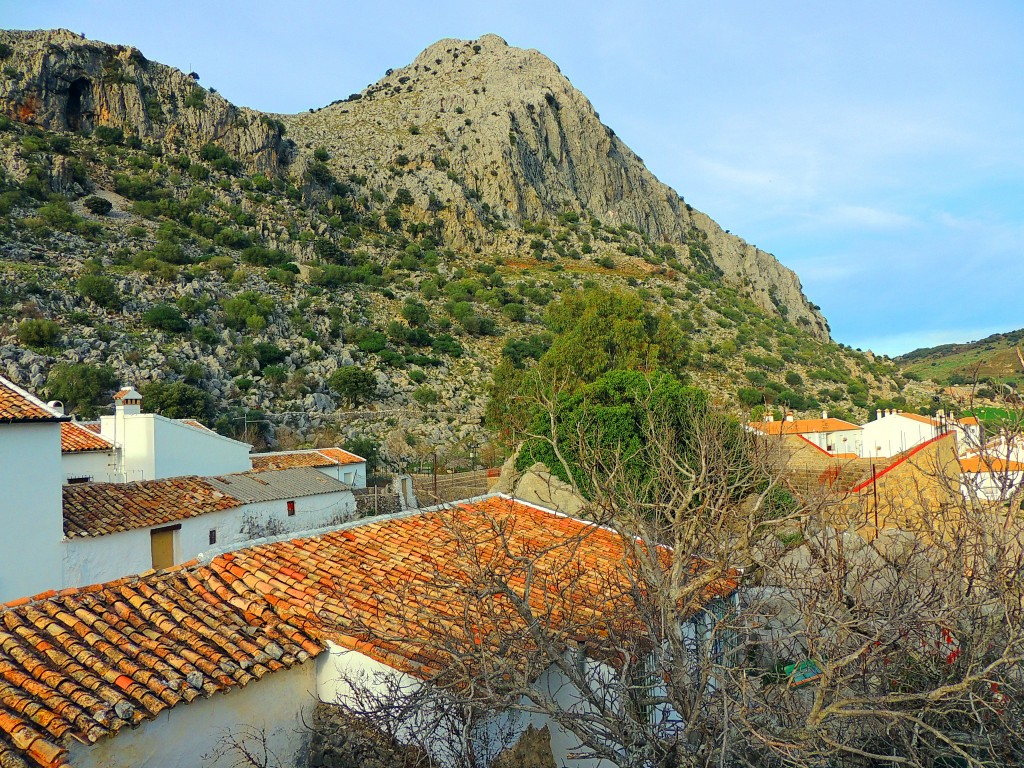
(58, 406)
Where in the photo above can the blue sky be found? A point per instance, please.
(877, 148)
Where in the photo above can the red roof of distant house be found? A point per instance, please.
(320, 457)
(77, 438)
(802, 426)
(989, 464)
(17, 405)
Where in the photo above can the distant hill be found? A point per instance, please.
(994, 357)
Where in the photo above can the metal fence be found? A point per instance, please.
(444, 487)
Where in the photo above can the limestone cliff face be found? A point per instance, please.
(59, 81)
(486, 138)
(484, 133)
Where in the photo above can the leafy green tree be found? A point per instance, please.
(177, 400)
(599, 330)
(81, 386)
(353, 384)
(100, 290)
(610, 423)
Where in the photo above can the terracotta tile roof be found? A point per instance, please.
(196, 424)
(968, 421)
(321, 457)
(17, 405)
(342, 457)
(390, 589)
(94, 509)
(85, 663)
(802, 426)
(989, 464)
(92, 426)
(75, 438)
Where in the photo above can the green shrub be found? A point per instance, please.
(165, 317)
(424, 395)
(446, 345)
(372, 342)
(415, 313)
(100, 290)
(196, 99)
(248, 310)
(204, 335)
(268, 354)
(417, 376)
(97, 205)
(750, 397)
(107, 135)
(38, 334)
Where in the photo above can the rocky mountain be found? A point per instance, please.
(503, 137)
(418, 230)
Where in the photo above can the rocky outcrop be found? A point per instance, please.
(538, 486)
(60, 81)
(482, 133)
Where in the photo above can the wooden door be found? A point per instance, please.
(161, 542)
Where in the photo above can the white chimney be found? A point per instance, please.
(127, 402)
(824, 415)
(57, 405)
(878, 413)
(789, 417)
(769, 416)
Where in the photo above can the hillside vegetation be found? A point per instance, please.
(363, 270)
(992, 360)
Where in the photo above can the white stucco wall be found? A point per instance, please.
(185, 450)
(351, 474)
(991, 486)
(154, 447)
(842, 441)
(31, 521)
(894, 434)
(338, 669)
(186, 736)
(91, 560)
(98, 466)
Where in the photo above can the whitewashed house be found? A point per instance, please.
(334, 462)
(154, 446)
(86, 455)
(894, 431)
(831, 435)
(116, 529)
(30, 481)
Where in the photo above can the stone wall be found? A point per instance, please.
(340, 741)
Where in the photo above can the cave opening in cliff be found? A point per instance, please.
(78, 98)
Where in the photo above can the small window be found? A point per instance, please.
(213, 536)
(77, 480)
(291, 509)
